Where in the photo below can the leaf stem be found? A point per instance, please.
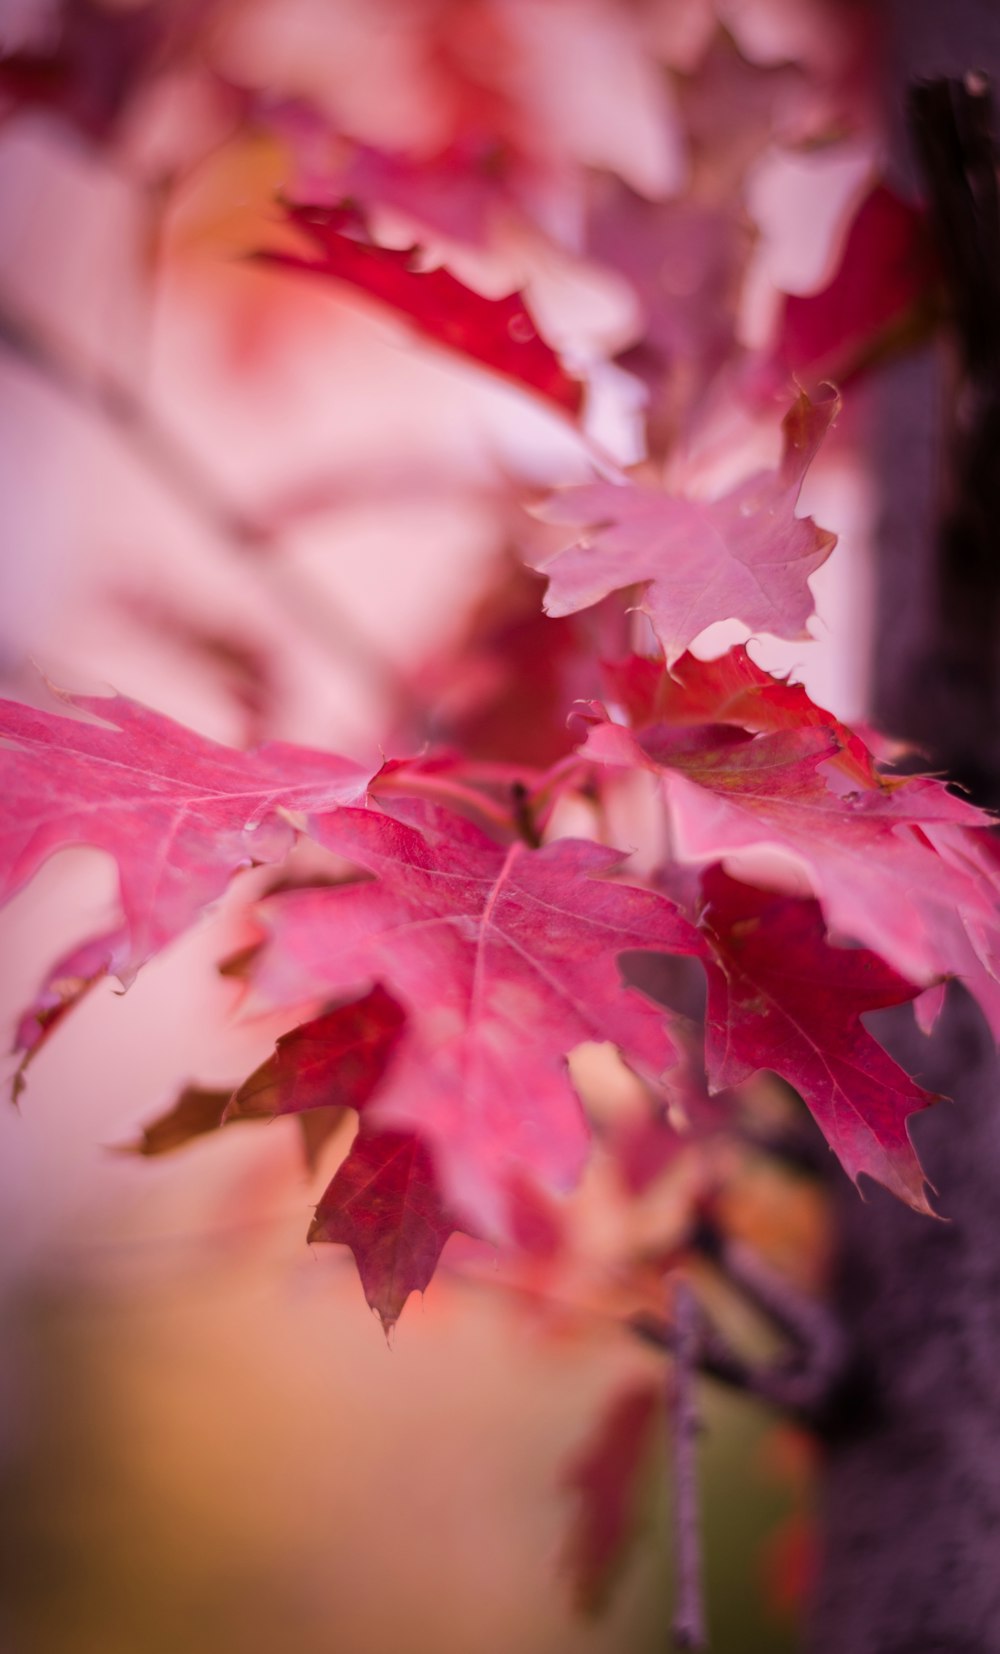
(439, 787)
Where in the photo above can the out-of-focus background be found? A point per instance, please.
(256, 504)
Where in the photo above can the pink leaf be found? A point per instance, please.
(745, 556)
(385, 1204)
(504, 961)
(179, 813)
(901, 865)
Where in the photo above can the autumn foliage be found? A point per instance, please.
(582, 801)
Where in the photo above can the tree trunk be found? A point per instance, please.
(910, 1493)
(910, 1487)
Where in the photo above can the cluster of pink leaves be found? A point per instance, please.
(452, 978)
(448, 981)
(437, 991)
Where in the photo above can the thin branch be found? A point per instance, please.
(689, 1625)
(716, 1358)
(802, 1382)
(804, 1319)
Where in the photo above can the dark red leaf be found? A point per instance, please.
(732, 689)
(902, 865)
(197, 1111)
(384, 1201)
(497, 333)
(504, 960)
(385, 1204)
(335, 1060)
(781, 998)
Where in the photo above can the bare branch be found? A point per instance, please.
(689, 1611)
(802, 1382)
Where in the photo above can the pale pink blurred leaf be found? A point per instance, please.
(744, 556)
(605, 1480)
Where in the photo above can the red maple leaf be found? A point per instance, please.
(781, 998)
(504, 960)
(384, 1201)
(745, 555)
(179, 813)
(316, 1072)
(903, 866)
(336, 1060)
(731, 689)
(497, 333)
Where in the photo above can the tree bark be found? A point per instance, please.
(910, 1491)
(910, 1485)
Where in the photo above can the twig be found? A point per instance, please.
(716, 1358)
(689, 1625)
(805, 1319)
(411, 783)
(801, 1383)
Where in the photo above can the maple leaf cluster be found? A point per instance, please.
(466, 943)
(460, 967)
